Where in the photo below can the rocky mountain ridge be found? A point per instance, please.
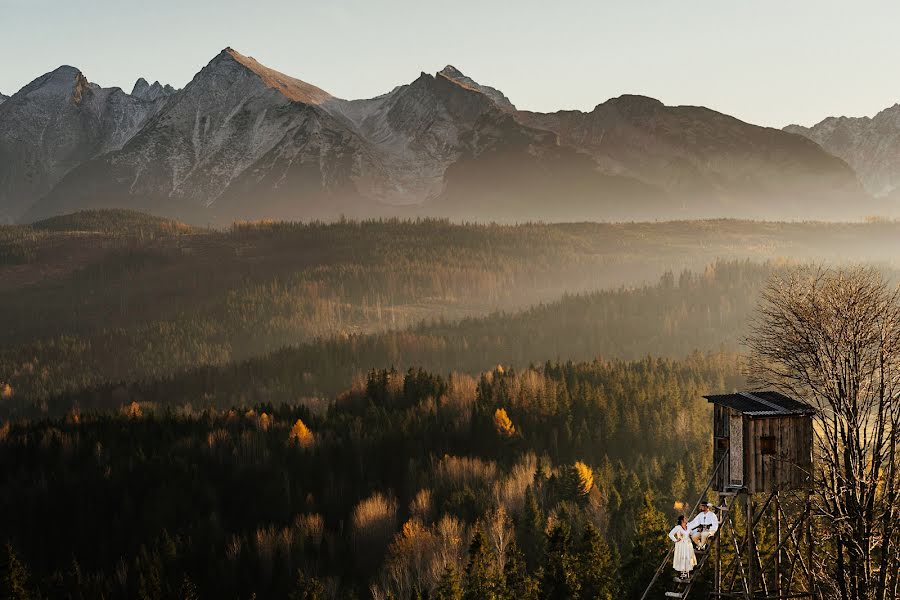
(245, 141)
(56, 123)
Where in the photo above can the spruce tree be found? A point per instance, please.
(13, 576)
(561, 580)
(519, 584)
(188, 589)
(307, 588)
(532, 528)
(480, 572)
(596, 566)
(648, 548)
(448, 587)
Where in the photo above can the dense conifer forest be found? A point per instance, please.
(520, 481)
(383, 409)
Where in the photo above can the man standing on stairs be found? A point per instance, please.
(704, 526)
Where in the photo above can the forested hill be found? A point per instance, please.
(108, 296)
(673, 318)
(397, 409)
(555, 482)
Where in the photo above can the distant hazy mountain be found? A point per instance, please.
(870, 145)
(708, 161)
(244, 141)
(54, 124)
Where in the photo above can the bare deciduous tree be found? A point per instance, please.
(832, 338)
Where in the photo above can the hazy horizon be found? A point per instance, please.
(741, 60)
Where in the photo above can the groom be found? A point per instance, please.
(703, 527)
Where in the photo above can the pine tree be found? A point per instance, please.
(649, 546)
(533, 538)
(448, 587)
(13, 576)
(519, 584)
(188, 589)
(307, 588)
(480, 572)
(561, 581)
(597, 567)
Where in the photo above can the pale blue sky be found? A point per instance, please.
(768, 62)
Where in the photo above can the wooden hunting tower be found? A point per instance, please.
(767, 438)
(762, 447)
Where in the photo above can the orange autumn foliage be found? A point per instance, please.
(503, 424)
(301, 435)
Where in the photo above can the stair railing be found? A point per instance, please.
(665, 561)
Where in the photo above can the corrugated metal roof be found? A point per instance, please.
(762, 404)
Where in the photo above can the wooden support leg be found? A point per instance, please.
(751, 575)
(717, 578)
(778, 542)
(809, 545)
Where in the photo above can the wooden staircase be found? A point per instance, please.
(683, 588)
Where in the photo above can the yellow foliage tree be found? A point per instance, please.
(6, 391)
(265, 421)
(301, 435)
(503, 424)
(584, 478)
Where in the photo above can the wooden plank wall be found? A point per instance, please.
(793, 444)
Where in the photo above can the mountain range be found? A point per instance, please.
(242, 141)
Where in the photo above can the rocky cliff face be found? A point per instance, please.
(870, 145)
(54, 124)
(3, 98)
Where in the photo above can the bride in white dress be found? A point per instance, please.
(684, 559)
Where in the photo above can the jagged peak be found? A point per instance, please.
(146, 91)
(451, 72)
(292, 88)
(459, 78)
(140, 87)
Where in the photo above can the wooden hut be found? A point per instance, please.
(768, 438)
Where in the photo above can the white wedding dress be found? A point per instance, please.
(683, 559)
